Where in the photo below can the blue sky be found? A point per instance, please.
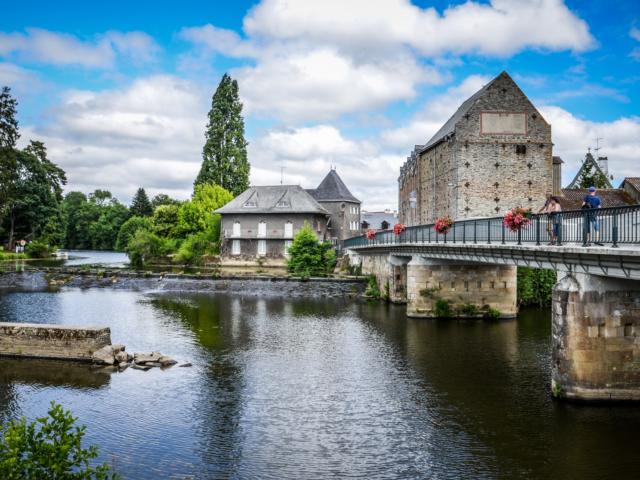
(119, 91)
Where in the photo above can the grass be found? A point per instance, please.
(7, 256)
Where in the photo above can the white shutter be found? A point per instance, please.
(235, 247)
(262, 247)
(236, 229)
(288, 230)
(262, 229)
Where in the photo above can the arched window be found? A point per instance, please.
(262, 229)
(236, 229)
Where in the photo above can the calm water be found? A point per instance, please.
(304, 388)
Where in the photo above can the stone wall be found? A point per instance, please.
(474, 174)
(390, 273)
(52, 341)
(341, 218)
(469, 290)
(596, 338)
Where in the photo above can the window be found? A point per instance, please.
(521, 149)
(288, 230)
(287, 245)
(262, 248)
(384, 225)
(236, 229)
(235, 247)
(262, 229)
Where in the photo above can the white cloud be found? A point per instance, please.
(322, 83)
(572, 136)
(635, 33)
(218, 40)
(54, 48)
(433, 115)
(19, 79)
(500, 28)
(148, 134)
(308, 153)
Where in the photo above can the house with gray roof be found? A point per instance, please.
(343, 207)
(262, 221)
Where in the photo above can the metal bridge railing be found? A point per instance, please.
(616, 225)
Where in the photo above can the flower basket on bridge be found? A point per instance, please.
(398, 228)
(443, 224)
(517, 218)
(371, 234)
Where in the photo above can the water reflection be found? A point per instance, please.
(316, 388)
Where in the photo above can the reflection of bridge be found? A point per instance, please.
(471, 272)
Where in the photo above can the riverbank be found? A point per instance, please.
(249, 285)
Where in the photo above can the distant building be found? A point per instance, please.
(572, 198)
(493, 154)
(342, 206)
(600, 166)
(631, 185)
(262, 221)
(378, 220)
(557, 176)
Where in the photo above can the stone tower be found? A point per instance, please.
(493, 154)
(343, 207)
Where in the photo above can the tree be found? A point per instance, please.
(141, 206)
(129, 229)
(34, 205)
(165, 219)
(592, 177)
(163, 199)
(8, 124)
(308, 256)
(225, 150)
(194, 216)
(50, 447)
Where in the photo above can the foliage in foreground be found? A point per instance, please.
(48, 448)
(310, 257)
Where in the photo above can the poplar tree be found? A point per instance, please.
(225, 150)
(140, 205)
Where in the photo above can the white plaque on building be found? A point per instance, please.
(503, 123)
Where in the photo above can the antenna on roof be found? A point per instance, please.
(598, 147)
(281, 175)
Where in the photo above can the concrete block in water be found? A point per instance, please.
(52, 341)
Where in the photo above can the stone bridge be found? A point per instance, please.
(471, 272)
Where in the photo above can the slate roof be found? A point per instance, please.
(633, 181)
(332, 189)
(375, 219)
(589, 159)
(557, 160)
(273, 199)
(572, 198)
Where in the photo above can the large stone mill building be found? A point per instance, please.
(493, 154)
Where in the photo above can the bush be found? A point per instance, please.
(147, 247)
(129, 229)
(38, 249)
(204, 243)
(443, 309)
(310, 257)
(372, 287)
(50, 447)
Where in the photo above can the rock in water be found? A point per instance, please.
(141, 367)
(185, 365)
(166, 361)
(142, 358)
(117, 348)
(103, 356)
(122, 357)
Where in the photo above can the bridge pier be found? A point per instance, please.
(390, 272)
(596, 338)
(437, 288)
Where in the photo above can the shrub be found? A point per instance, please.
(308, 256)
(38, 249)
(147, 247)
(200, 244)
(129, 229)
(50, 447)
(443, 309)
(469, 310)
(372, 287)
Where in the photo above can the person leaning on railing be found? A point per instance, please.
(591, 203)
(545, 209)
(554, 210)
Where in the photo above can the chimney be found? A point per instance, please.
(603, 163)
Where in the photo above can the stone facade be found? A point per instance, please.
(52, 341)
(596, 338)
(493, 154)
(276, 238)
(469, 290)
(345, 219)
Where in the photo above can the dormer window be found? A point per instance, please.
(283, 204)
(252, 201)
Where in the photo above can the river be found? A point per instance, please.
(316, 388)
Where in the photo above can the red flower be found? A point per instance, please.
(443, 224)
(516, 218)
(398, 228)
(371, 234)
